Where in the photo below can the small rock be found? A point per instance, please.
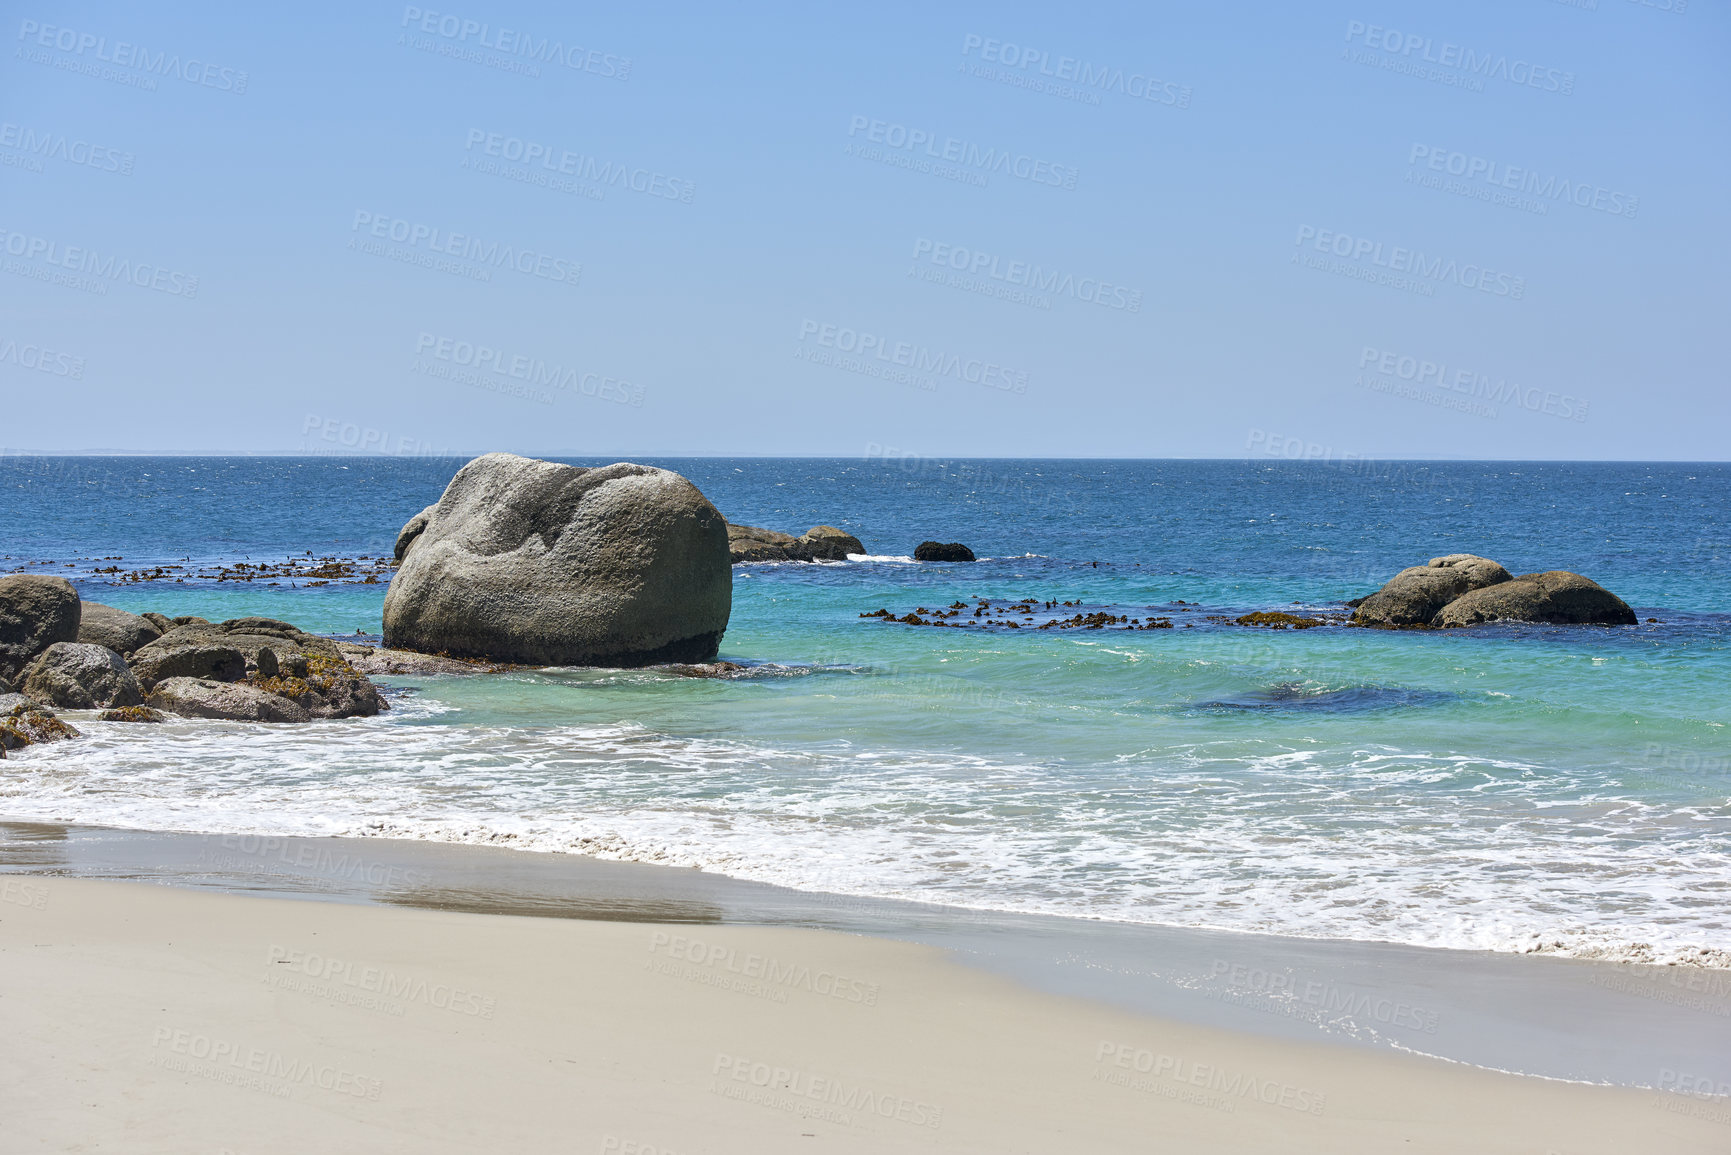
(942, 551)
(132, 714)
(1412, 597)
(162, 624)
(1555, 596)
(1278, 620)
(26, 723)
(230, 701)
(81, 676)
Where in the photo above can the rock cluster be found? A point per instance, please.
(1463, 589)
(535, 562)
(819, 543)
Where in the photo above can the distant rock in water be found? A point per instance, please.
(942, 551)
(81, 676)
(530, 561)
(1556, 596)
(35, 612)
(1463, 589)
(819, 543)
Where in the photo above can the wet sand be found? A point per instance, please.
(404, 996)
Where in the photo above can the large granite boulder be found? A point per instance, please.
(117, 630)
(1552, 596)
(24, 722)
(819, 543)
(231, 701)
(1413, 596)
(531, 561)
(35, 612)
(942, 551)
(81, 676)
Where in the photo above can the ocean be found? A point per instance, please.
(1506, 788)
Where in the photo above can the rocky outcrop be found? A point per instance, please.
(747, 543)
(230, 701)
(1556, 596)
(1463, 589)
(27, 723)
(369, 660)
(268, 655)
(1413, 596)
(35, 612)
(530, 561)
(81, 676)
(117, 630)
(942, 551)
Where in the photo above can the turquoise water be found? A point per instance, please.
(1508, 787)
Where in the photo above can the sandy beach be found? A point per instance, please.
(146, 1017)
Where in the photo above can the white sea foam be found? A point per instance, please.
(1388, 846)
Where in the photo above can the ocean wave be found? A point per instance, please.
(1378, 844)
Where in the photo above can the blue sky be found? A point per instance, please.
(1145, 230)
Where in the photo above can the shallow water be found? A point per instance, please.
(1508, 787)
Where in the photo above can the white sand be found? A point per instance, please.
(141, 1018)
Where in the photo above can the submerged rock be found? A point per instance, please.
(1555, 596)
(1278, 620)
(534, 562)
(81, 676)
(35, 612)
(942, 551)
(132, 714)
(114, 629)
(369, 660)
(746, 543)
(230, 701)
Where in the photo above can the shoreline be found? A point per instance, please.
(1557, 1018)
(162, 1017)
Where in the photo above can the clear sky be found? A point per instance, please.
(1429, 229)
